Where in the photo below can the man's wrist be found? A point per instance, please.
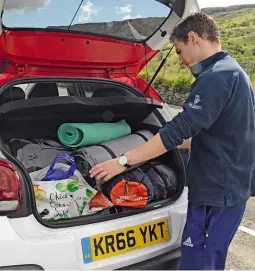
(129, 158)
(123, 161)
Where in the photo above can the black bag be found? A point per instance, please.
(163, 180)
(158, 185)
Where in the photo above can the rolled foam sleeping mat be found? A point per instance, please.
(86, 134)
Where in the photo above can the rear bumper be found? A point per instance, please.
(166, 261)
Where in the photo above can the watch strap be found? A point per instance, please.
(126, 165)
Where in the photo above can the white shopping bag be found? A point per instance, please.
(62, 199)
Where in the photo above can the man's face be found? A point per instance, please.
(188, 52)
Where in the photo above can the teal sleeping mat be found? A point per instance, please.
(87, 134)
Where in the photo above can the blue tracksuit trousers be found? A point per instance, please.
(207, 235)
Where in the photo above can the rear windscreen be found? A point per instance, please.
(129, 19)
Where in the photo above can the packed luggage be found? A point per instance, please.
(59, 170)
(36, 154)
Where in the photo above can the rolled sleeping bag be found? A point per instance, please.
(163, 179)
(136, 188)
(86, 134)
(158, 184)
(88, 157)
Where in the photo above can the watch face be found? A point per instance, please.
(123, 160)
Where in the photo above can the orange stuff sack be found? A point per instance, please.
(130, 189)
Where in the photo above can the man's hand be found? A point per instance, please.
(186, 144)
(107, 170)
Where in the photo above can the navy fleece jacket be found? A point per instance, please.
(219, 116)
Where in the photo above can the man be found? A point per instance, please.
(219, 116)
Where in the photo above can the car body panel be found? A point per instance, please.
(32, 243)
(27, 52)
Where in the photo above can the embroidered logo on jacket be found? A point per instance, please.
(195, 105)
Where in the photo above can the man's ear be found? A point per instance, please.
(193, 37)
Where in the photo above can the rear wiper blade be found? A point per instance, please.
(75, 14)
(158, 70)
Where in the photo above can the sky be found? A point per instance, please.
(223, 3)
(43, 13)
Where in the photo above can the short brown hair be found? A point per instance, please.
(200, 23)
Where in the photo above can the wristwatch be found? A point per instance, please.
(123, 161)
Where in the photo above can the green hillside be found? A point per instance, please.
(238, 37)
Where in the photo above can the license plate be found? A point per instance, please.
(102, 246)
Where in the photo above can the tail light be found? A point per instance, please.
(10, 197)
